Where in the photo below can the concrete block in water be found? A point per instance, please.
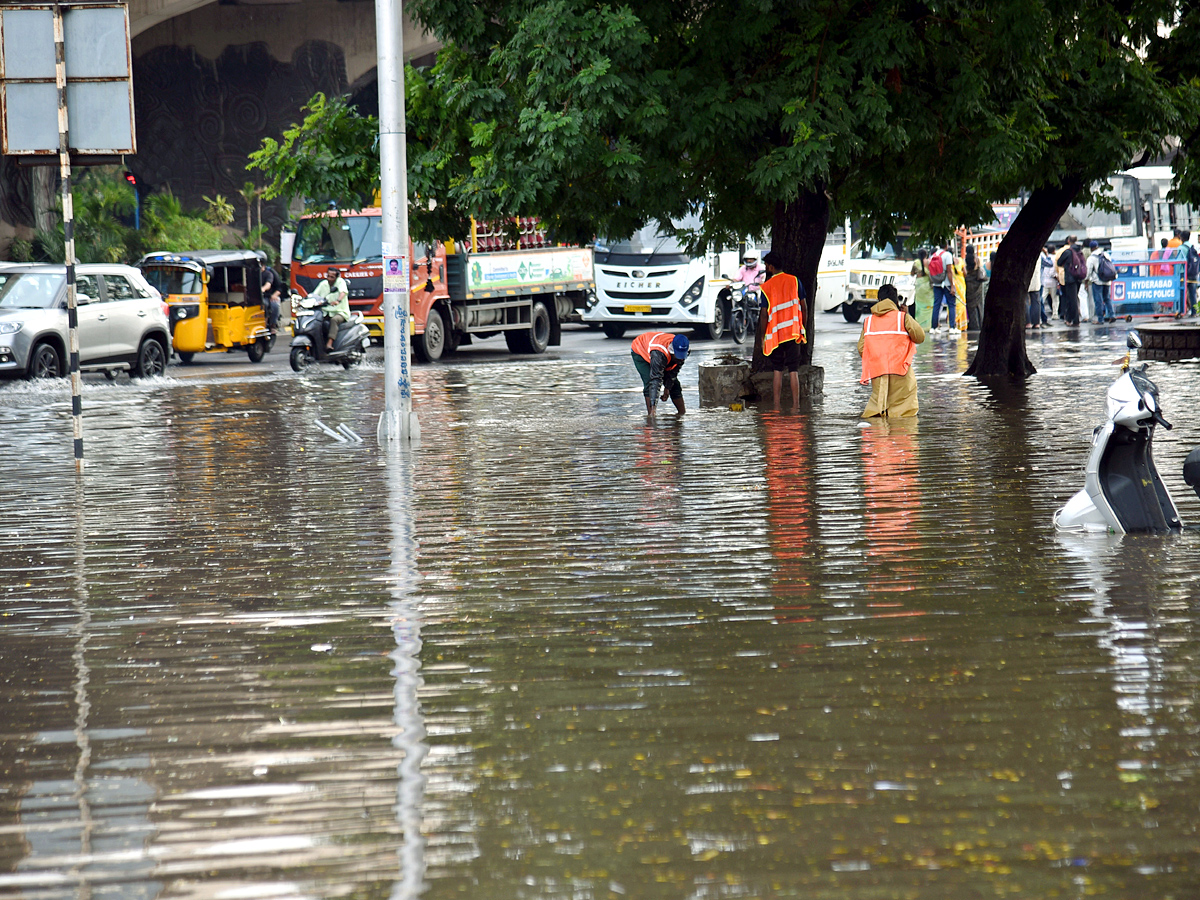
(723, 382)
(812, 384)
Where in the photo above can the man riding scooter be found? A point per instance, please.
(334, 291)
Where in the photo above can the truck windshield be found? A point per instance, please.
(30, 290)
(326, 239)
(173, 280)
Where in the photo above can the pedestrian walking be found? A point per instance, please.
(1191, 273)
(658, 356)
(1049, 284)
(887, 346)
(941, 266)
(1033, 315)
(958, 323)
(1071, 261)
(975, 279)
(1100, 275)
(785, 325)
(922, 290)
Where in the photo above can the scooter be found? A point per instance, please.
(1122, 490)
(311, 330)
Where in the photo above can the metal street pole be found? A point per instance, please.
(397, 422)
(64, 167)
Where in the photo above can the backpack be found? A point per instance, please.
(937, 268)
(1105, 269)
(1193, 262)
(1078, 264)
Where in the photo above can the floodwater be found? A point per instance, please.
(558, 652)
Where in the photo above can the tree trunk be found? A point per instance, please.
(798, 235)
(1002, 339)
(45, 196)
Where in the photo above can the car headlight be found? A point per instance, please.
(855, 278)
(694, 292)
(10, 327)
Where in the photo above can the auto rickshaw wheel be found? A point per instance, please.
(257, 350)
(300, 359)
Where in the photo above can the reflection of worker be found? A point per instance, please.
(887, 345)
(658, 357)
(785, 325)
(337, 303)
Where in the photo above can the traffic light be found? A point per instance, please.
(131, 178)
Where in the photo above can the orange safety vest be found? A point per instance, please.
(783, 304)
(887, 348)
(652, 340)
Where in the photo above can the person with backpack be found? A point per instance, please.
(1070, 260)
(1192, 272)
(1100, 274)
(940, 268)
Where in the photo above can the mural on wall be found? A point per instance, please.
(198, 119)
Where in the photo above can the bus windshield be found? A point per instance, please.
(173, 280)
(651, 238)
(327, 239)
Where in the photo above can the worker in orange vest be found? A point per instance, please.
(785, 325)
(658, 357)
(887, 345)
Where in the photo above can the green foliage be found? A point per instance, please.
(331, 156)
(167, 227)
(100, 200)
(219, 212)
(20, 250)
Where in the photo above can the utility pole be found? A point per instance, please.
(397, 422)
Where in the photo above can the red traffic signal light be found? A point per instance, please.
(131, 178)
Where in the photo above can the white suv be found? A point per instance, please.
(122, 321)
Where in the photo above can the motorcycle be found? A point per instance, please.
(744, 303)
(311, 331)
(1122, 490)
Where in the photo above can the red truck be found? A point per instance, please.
(494, 283)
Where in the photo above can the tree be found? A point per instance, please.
(1110, 102)
(331, 156)
(755, 115)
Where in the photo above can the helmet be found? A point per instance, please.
(751, 256)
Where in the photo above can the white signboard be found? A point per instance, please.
(99, 80)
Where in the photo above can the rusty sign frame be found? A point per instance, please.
(78, 88)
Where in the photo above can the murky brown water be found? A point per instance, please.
(559, 653)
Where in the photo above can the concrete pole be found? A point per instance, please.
(397, 422)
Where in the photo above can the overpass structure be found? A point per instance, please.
(212, 78)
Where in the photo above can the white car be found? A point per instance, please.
(122, 322)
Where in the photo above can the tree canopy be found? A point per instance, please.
(598, 116)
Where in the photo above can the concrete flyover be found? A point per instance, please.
(212, 78)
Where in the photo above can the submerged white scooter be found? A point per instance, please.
(1122, 489)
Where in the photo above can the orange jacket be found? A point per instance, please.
(783, 304)
(887, 347)
(655, 340)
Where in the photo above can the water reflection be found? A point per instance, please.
(724, 655)
(406, 626)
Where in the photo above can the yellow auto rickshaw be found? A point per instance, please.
(214, 298)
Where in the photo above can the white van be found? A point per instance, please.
(650, 279)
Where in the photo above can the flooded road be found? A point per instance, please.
(558, 652)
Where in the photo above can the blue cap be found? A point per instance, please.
(679, 346)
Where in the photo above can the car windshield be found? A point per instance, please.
(328, 239)
(30, 290)
(173, 280)
(650, 239)
(887, 251)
